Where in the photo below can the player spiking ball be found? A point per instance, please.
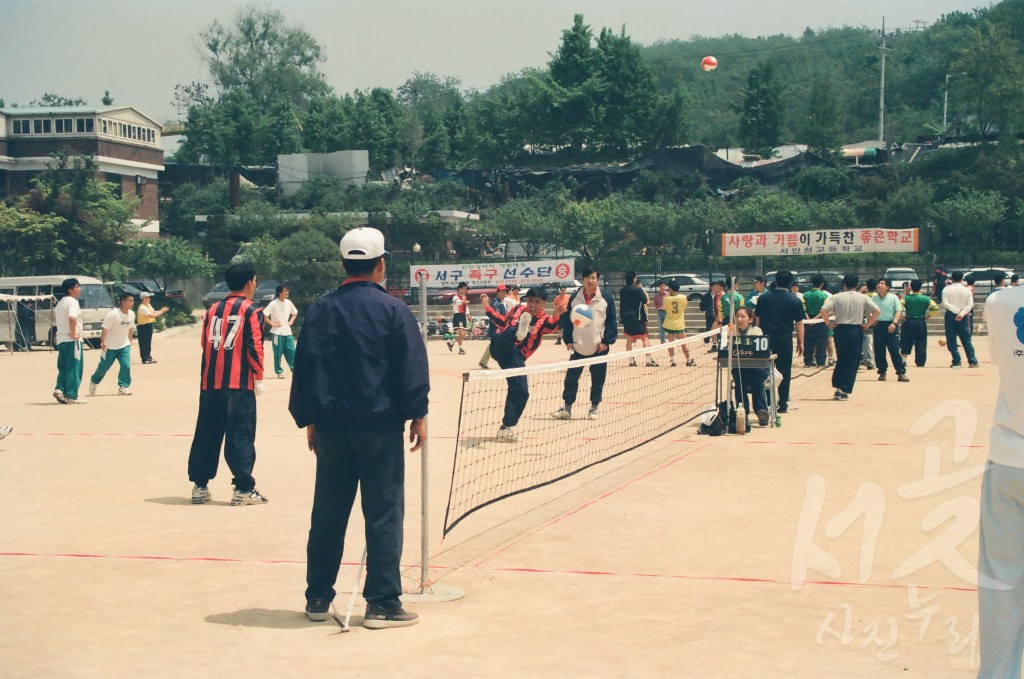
(519, 334)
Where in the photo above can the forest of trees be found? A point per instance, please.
(603, 98)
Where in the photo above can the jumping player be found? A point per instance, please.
(519, 334)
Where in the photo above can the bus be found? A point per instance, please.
(95, 301)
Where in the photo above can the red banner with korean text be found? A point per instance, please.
(820, 242)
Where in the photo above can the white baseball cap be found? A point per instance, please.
(363, 243)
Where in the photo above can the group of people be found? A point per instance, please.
(119, 328)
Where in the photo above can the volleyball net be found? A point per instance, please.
(644, 397)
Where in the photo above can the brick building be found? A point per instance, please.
(124, 142)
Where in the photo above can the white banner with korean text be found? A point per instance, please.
(820, 242)
(489, 274)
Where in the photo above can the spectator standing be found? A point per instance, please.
(280, 314)
(779, 313)
(914, 335)
(850, 313)
(759, 287)
(659, 305)
(633, 303)
(816, 334)
(361, 372)
(958, 301)
(146, 318)
(886, 335)
(868, 350)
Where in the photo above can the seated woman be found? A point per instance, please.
(750, 379)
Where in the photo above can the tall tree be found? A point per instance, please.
(573, 90)
(761, 112)
(993, 64)
(824, 128)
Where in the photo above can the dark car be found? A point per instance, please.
(219, 292)
(833, 280)
(265, 293)
(117, 289)
(983, 280)
(150, 285)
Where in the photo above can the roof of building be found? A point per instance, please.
(68, 110)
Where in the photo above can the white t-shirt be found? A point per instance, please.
(1004, 315)
(66, 309)
(117, 326)
(279, 312)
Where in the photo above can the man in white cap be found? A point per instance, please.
(360, 373)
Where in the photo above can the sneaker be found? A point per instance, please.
(451, 345)
(973, 365)
(200, 494)
(5, 432)
(763, 417)
(632, 363)
(75, 401)
(483, 366)
(562, 413)
(317, 610)
(124, 391)
(524, 326)
(248, 497)
(955, 366)
(507, 434)
(651, 363)
(280, 376)
(831, 362)
(92, 388)
(842, 396)
(902, 378)
(462, 352)
(149, 360)
(782, 409)
(691, 362)
(59, 395)
(672, 363)
(592, 414)
(870, 366)
(881, 377)
(378, 617)
(838, 395)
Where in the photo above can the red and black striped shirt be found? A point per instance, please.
(540, 325)
(232, 341)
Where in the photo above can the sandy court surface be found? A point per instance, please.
(840, 545)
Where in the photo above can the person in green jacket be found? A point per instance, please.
(815, 334)
(918, 307)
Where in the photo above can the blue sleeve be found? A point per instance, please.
(409, 355)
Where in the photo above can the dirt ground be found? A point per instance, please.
(843, 544)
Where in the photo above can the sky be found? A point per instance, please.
(140, 49)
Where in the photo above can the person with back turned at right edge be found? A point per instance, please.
(849, 314)
(778, 311)
(360, 374)
(958, 301)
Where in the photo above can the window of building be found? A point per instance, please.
(22, 127)
(84, 125)
(63, 126)
(103, 126)
(42, 126)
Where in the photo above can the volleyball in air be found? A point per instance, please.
(709, 63)
(581, 316)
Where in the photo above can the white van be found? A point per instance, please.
(95, 301)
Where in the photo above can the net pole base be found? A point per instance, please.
(434, 594)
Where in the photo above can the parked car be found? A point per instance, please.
(900, 275)
(219, 292)
(691, 285)
(117, 289)
(983, 280)
(150, 285)
(265, 292)
(833, 280)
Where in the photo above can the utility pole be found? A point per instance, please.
(881, 91)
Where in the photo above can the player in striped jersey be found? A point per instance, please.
(232, 375)
(519, 334)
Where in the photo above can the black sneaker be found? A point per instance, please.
(318, 610)
(763, 417)
(379, 617)
(783, 408)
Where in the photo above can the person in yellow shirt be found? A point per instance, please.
(675, 322)
(145, 318)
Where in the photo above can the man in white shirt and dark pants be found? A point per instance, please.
(1001, 552)
(280, 314)
(958, 301)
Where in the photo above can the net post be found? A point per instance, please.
(426, 592)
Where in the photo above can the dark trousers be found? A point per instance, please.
(781, 344)
(849, 341)
(509, 356)
(751, 380)
(885, 341)
(145, 335)
(815, 344)
(228, 416)
(959, 329)
(370, 458)
(915, 336)
(598, 373)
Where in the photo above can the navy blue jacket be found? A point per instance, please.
(360, 361)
